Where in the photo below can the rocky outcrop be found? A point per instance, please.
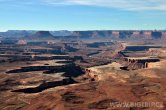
(160, 52)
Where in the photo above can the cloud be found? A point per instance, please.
(136, 5)
(20, 2)
(133, 5)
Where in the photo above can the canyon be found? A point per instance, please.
(82, 70)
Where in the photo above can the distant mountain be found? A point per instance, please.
(16, 33)
(61, 33)
(113, 34)
(23, 33)
(119, 34)
(40, 35)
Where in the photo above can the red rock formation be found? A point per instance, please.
(164, 35)
(136, 34)
(115, 34)
(147, 34)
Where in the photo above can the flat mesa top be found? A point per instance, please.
(141, 58)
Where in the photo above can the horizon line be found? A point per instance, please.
(86, 30)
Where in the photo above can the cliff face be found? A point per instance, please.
(120, 34)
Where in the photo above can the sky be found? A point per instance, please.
(82, 15)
